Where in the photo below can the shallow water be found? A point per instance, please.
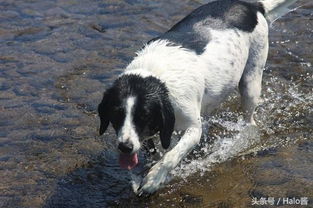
(56, 59)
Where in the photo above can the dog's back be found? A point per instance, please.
(193, 32)
(207, 50)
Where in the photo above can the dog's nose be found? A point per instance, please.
(125, 147)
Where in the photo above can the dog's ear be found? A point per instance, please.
(167, 123)
(103, 110)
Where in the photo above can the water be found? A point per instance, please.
(57, 58)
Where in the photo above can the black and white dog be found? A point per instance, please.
(185, 73)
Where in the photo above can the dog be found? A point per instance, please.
(185, 73)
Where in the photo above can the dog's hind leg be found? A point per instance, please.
(251, 80)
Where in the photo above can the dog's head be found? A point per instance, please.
(137, 107)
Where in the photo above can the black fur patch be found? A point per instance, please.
(152, 111)
(260, 8)
(221, 14)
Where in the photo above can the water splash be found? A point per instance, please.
(222, 149)
(238, 139)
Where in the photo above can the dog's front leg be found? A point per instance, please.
(157, 174)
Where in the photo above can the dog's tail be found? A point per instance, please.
(276, 8)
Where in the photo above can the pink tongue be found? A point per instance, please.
(128, 161)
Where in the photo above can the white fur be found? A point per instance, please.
(197, 84)
(251, 81)
(174, 65)
(127, 132)
(212, 75)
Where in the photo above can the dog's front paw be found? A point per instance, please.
(153, 180)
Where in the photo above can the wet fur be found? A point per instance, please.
(185, 73)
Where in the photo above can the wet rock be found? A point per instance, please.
(32, 33)
(257, 193)
(224, 204)
(24, 90)
(89, 32)
(266, 152)
(192, 199)
(31, 13)
(271, 177)
(294, 193)
(53, 45)
(56, 12)
(62, 57)
(8, 14)
(98, 27)
(7, 95)
(47, 108)
(82, 8)
(47, 135)
(306, 146)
